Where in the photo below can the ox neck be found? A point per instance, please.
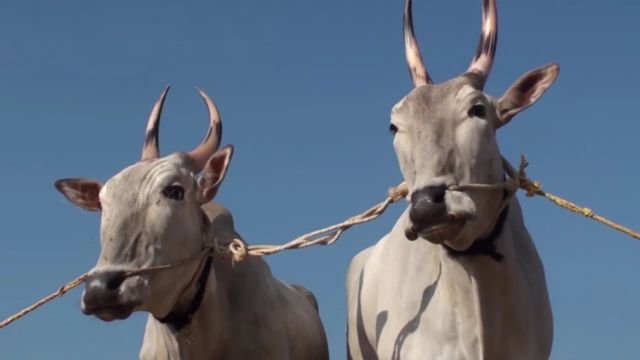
(177, 320)
(487, 245)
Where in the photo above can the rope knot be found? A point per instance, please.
(531, 186)
(587, 212)
(238, 250)
(398, 192)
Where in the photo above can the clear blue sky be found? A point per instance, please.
(305, 89)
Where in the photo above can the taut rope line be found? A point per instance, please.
(237, 250)
(533, 188)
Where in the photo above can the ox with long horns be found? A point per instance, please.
(458, 276)
(158, 211)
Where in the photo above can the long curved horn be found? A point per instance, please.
(417, 69)
(210, 144)
(486, 51)
(151, 148)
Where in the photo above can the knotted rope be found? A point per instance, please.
(237, 250)
(534, 188)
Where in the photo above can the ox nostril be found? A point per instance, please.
(114, 280)
(427, 205)
(433, 194)
(102, 290)
(436, 193)
(106, 281)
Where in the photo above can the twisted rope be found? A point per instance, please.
(237, 250)
(533, 188)
(61, 291)
(325, 236)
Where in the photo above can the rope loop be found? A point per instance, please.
(238, 250)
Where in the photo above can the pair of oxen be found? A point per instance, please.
(472, 287)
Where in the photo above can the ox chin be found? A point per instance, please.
(437, 233)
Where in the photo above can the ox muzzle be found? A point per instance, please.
(429, 216)
(110, 295)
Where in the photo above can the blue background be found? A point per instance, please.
(305, 89)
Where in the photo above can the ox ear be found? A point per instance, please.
(526, 91)
(214, 172)
(81, 192)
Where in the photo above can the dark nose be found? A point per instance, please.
(427, 205)
(102, 290)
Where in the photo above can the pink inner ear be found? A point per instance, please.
(216, 167)
(526, 91)
(214, 172)
(81, 192)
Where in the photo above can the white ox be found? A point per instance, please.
(473, 286)
(157, 212)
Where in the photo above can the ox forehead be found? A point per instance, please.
(136, 181)
(423, 98)
(445, 104)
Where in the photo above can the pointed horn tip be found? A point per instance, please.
(165, 91)
(163, 95)
(211, 105)
(205, 96)
(417, 69)
(150, 149)
(407, 19)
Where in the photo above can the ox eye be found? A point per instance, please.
(478, 110)
(393, 129)
(175, 192)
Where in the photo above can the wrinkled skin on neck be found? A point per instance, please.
(141, 227)
(441, 141)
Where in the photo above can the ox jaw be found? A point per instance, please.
(438, 233)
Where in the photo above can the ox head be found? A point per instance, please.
(151, 215)
(444, 134)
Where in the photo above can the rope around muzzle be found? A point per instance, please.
(237, 250)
